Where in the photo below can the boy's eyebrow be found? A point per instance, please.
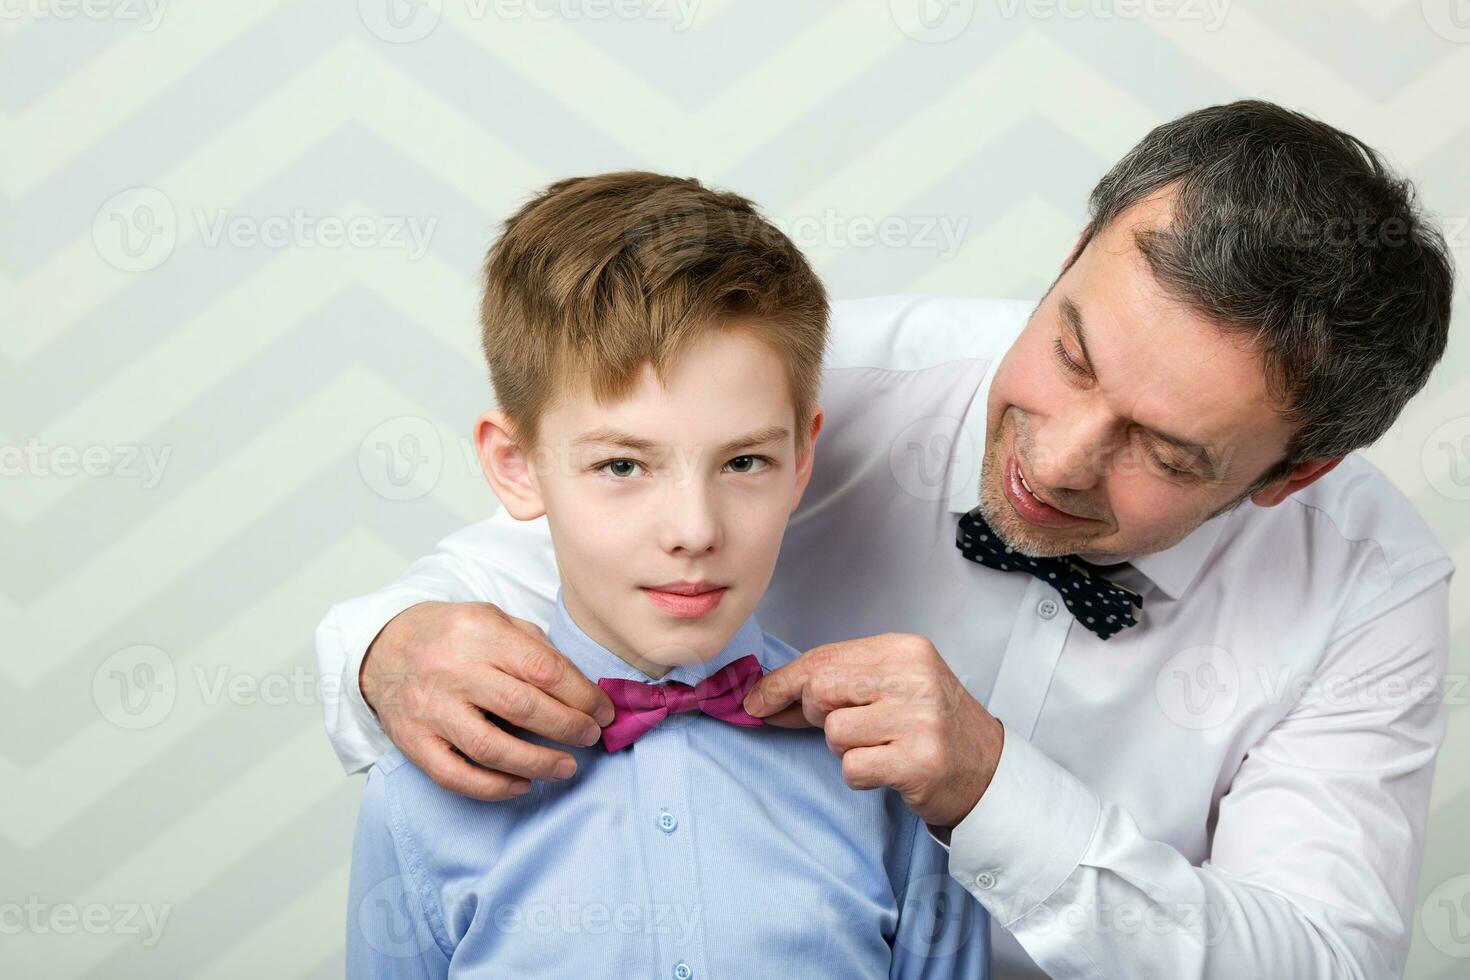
(615, 437)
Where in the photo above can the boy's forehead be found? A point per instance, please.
(724, 385)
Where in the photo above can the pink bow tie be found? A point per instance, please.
(641, 705)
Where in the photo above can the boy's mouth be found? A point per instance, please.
(685, 599)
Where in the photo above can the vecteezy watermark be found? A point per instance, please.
(1206, 686)
(298, 685)
(1445, 917)
(1199, 687)
(1209, 13)
(94, 918)
(941, 234)
(299, 228)
(148, 12)
(566, 917)
(1450, 19)
(407, 21)
(927, 452)
(932, 21)
(136, 687)
(34, 458)
(138, 229)
(1206, 923)
(391, 918)
(1445, 459)
(402, 458)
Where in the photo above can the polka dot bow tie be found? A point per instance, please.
(1099, 605)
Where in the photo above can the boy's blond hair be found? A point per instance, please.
(597, 276)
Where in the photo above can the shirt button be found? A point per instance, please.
(667, 822)
(985, 880)
(1047, 609)
(682, 971)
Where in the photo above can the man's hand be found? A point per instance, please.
(434, 671)
(898, 717)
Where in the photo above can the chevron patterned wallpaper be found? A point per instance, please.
(238, 245)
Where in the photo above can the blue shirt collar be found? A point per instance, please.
(596, 661)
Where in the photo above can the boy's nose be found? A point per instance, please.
(690, 523)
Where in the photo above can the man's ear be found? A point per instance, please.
(804, 462)
(1304, 475)
(508, 469)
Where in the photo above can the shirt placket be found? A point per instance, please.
(678, 914)
(1035, 648)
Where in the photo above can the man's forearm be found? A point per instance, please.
(1086, 894)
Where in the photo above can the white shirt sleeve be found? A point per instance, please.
(1315, 857)
(500, 560)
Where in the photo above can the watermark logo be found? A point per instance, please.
(1198, 688)
(136, 687)
(391, 918)
(1445, 459)
(932, 21)
(136, 230)
(1445, 917)
(1450, 19)
(400, 21)
(401, 459)
(921, 455)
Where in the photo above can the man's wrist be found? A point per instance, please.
(1027, 834)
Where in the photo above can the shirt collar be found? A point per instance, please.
(596, 661)
(1173, 570)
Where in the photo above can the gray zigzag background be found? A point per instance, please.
(313, 400)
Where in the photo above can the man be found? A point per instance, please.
(1228, 777)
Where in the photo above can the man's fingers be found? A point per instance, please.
(854, 727)
(851, 667)
(449, 769)
(789, 717)
(544, 667)
(868, 767)
(528, 707)
(481, 742)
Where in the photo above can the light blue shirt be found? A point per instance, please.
(703, 850)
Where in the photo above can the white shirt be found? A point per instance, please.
(1238, 786)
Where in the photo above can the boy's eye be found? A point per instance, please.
(622, 469)
(748, 464)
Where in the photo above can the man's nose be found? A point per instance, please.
(1072, 452)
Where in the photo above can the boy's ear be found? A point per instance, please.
(508, 469)
(804, 462)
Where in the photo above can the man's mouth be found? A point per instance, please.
(1025, 502)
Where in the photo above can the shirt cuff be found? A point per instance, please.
(356, 734)
(1026, 836)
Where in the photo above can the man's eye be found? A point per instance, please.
(748, 464)
(621, 469)
(1067, 362)
(1169, 468)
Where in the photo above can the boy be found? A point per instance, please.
(656, 349)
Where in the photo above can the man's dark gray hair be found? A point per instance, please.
(1298, 235)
